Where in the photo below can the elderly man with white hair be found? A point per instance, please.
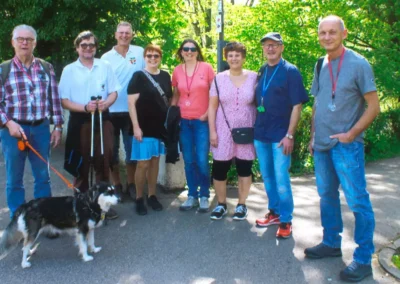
(29, 100)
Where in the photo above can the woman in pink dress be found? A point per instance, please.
(236, 95)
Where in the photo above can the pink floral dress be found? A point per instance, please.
(240, 111)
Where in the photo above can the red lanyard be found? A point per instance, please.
(188, 86)
(334, 81)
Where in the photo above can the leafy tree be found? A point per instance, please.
(58, 22)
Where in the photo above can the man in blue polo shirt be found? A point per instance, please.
(280, 94)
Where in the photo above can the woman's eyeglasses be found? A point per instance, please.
(86, 45)
(155, 56)
(192, 49)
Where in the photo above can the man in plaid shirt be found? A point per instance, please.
(28, 99)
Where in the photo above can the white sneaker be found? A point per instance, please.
(204, 205)
(189, 203)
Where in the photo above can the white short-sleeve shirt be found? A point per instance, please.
(124, 67)
(79, 83)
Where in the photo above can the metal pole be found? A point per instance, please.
(220, 29)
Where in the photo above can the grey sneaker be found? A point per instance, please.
(204, 205)
(189, 203)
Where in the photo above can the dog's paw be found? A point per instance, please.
(87, 258)
(26, 264)
(96, 249)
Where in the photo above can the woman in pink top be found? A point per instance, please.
(236, 96)
(191, 81)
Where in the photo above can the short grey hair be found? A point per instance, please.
(23, 27)
(124, 24)
(335, 19)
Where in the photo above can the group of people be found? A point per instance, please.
(126, 92)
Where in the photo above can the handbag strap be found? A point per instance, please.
(155, 84)
(222, 107)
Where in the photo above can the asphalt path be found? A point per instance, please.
(187, 247)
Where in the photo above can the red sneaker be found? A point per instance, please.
(269, 219)
(284, 230)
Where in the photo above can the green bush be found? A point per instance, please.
(382, 138)
(396, 260)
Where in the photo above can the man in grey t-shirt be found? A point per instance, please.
(342, 89)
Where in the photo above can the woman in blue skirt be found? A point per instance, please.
(148, 93)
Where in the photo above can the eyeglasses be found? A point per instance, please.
(155, 56)
(192, 49)
(27, 39)
(86, 45)
(271, 46)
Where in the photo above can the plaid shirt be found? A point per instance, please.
(25, 94)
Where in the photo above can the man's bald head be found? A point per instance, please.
(333, 18)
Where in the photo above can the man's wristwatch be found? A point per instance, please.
(290, 136)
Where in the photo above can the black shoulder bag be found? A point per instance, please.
(242, 135)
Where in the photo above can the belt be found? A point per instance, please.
(30, 122)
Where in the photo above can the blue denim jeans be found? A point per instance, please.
(39, 137)
(344, 165)
(195, 145)
(274, 167)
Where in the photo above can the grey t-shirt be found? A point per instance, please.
(356, 78)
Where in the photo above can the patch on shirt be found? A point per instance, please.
(42, 76)
(132, 60)
(102, 87)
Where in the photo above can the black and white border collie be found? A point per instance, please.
(79, 215)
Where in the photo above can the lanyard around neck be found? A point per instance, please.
(265, 87)
(189, 86)
(333, 80)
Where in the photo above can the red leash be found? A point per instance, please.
(23, 143)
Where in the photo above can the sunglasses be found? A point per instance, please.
(86, 45)
(155, 56)
(192, 49)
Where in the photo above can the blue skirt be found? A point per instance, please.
(148, 148)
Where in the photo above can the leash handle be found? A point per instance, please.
(23, 144)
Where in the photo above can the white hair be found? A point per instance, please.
(26, 28)
(124, 24)
(335, 19)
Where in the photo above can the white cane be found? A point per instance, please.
(101, 128)
(93, 98)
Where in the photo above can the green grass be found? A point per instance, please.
(396, 260)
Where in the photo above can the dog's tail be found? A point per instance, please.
(11, 236)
